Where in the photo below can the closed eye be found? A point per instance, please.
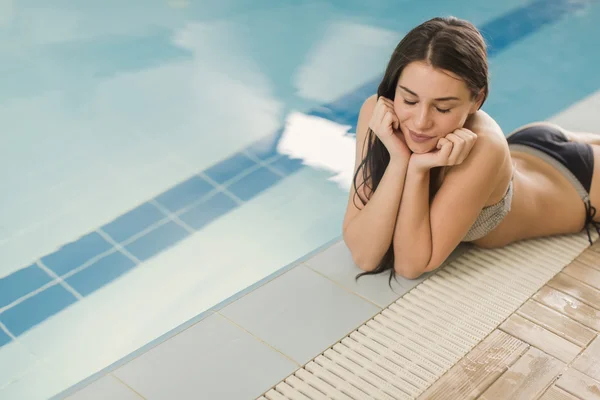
(412, 103)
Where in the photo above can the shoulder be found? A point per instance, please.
(364, 117)
(489, 152)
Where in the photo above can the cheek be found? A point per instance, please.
(452, 121)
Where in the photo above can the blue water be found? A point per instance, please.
(158, 159)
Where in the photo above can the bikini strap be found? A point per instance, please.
(590, 212)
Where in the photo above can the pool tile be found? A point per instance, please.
(254, 183)
(4, 338)
(266, 147)
(337, 264)
(75, 254)
(205, 212)
(133, 222)
(156, 241)
(287, 165)
(185, 193)
(20, 283)
(107, 387)
(213, 359)
(36, 309)
(100, 273)
(300, 313)
(229, 168)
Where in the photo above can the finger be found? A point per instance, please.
(458, 148)
(446, 149)
(469, 138)
(379, 111)
(388, 120)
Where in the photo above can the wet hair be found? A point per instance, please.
(448, 43)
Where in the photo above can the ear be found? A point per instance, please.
(477, 103)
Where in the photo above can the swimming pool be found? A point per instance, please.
(158, 159)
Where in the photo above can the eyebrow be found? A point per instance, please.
(438, 99)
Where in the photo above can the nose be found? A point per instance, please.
(423, 119)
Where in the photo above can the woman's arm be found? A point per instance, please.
(368, 231)
(426, 234)
(412, 235)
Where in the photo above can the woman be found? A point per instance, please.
(433, 170)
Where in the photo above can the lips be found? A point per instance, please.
(419, 135)
(419, 138)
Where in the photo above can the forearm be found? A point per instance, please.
(412, 235)
(369, 233)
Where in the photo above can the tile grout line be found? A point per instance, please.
(9, 333)
(171, 216)
(125, 384)
(58, 279)
(117, 246)
(29, 295)
(264, 164)
(223, 188)
(258, 338)
(348, 289)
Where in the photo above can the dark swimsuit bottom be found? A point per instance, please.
(575, 160)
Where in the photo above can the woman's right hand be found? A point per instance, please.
(386, 125)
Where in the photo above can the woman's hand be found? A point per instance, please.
(384, 122)
(451, 150)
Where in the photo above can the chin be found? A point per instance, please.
(418, 148)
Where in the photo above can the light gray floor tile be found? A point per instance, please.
(107, 387)
(300, 313)
(213, 359)
(336, 263)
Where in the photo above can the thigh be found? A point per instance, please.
(595, 188)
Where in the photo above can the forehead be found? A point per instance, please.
(429, 82)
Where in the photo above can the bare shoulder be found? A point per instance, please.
(491, 148)
(486, 128)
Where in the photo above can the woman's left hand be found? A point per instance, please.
(451, 150)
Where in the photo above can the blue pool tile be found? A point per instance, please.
(185, 193)
(524, 21)
(287, 165)
(4, 338)
(156, 241)
(133, 222)
(100, 273)
(20, 283)
(36, 309)
(229, 168)
(266, 147)
(208, 211)
(254, 183)
(77, 253)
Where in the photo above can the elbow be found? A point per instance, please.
(407, 271)
(363, 263)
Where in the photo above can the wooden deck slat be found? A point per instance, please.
(590, 258)
(527, 378)
(583, 273)
(540, 337)
(479, 369)
(579, 385)
(569, 306)
(557, 323)
(589, 362)
(577, 289)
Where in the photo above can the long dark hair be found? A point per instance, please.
(448, 43)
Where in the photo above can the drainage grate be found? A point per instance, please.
(409, 345)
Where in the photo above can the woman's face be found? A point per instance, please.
(432, 103)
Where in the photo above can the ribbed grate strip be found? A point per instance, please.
(405, 348)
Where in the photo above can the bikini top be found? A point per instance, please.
(491, 216)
